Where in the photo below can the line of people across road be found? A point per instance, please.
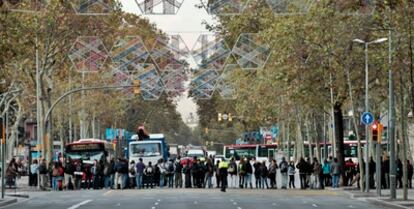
(195, 173)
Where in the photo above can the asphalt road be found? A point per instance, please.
(191, 199)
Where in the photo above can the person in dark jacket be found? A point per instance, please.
(257, 175)
(69, 170)
(249, 173)
(302, 166)
(187, 172)
(139, 167)
(399, 173)
(372, 169)
(385, 173)
(409, 174)
(217, 170)
(178, 173)
(264, 173)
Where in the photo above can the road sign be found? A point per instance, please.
(367, 118)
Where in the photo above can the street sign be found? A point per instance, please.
(367, 118)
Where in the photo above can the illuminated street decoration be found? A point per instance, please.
(289, 7)
(173, 77)
(225, 7)
(151, 84)
(159, 7)
(210, 52)
(129, 54)
(203, 84)
(29, 6)
(251, 51)
(169, 50)
(224, 85)
(88, 54)
(121, 78)
(91, 7)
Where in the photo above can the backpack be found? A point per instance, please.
(283, 167)
(148, 170)
(170, 168)
(106, 170)
(232, 168)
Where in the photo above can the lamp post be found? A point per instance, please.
(366, 44)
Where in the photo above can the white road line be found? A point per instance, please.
(107, 193)
(156, 203)
(314, 205)
(239, 208)
(195, 202)
(159, 200)
(234, 203)
(80, 204)
(153, 208)
(351, 206)
(231, 200)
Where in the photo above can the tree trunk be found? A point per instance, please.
(339, 137)
(317, 136)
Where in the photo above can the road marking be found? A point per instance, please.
(195, 202)
(351, 206)
(239, 208)
(234, 203)
(156, 203)
(118, 205)
(80, 204)
(159, 200)
(107, 193)
(314, 205)
(231, 200)
(153, 208)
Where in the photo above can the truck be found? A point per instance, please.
(150, 149)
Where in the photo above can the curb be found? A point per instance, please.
(18, 195)
(7, 202)
(386, 204)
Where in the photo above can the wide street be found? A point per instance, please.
(191, 198)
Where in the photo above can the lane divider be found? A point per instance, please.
(80, 204)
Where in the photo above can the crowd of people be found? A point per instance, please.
(197, 173)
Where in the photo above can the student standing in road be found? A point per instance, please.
(272, 174)
(140, 167)
(33, 173)
(283, 165)
(187, 171)
(209, 174)
(264, 174)
(170, 173)
(242, 172)
(178, 173)
(233, 173)
(249, 173)
(326, 171)
(291, 172)
(302, 166)
(149, 175)
(257, 174)
(335, 172)
(131, 174)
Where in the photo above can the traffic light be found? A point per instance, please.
(220, 117)
(230, 117)
(376, 130)
(206, 130)
(137, 86)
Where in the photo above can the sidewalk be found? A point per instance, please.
(385, 199)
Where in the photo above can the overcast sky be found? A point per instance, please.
(188, 23)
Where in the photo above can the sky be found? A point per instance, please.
(187, 23)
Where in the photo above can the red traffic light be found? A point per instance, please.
(375, 126)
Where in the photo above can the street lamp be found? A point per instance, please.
(366, 44)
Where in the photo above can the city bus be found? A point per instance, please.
(261, 152)
(88, 150)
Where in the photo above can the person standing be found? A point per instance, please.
(291, 173)
(316, 184)
(232, 171)
(302, 166)
(257, 175)
(107, 172)
(149, 174)
(264, 173)
(170, 173)
(372, 170)
(272, 174)
(140, 167)
(187, 173)
(326, 172)
(399, 173)
(223, 167)
(33, 173)
(283, 165)
(385, 173)
(209, 174)
(242, 172)
(11, 173)
(335, 172)
(132, 175)
(410, 174)
(69, 170)
(216, 167)
(249, 173)
(178, 173)
(43, 172)
(78, 175)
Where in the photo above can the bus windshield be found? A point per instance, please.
(85, 155)
(145, 150)
(248, 152)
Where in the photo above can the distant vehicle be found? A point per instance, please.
(261, 152)
(194, 152)
(211, 153)
(174, 151)
(150, 149)
(88, 150)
